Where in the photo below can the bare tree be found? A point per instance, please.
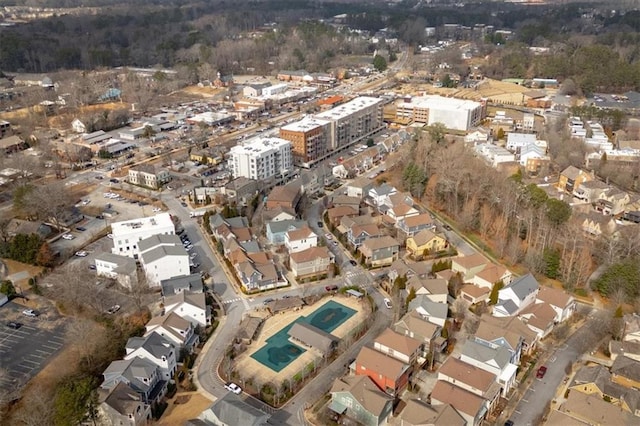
(50, 202)
(37, 408)
(86, 338)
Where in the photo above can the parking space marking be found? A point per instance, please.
(29, 361)
(50, 347)
(44, 352)
(22, 366)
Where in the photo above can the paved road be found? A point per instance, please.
(542, 391)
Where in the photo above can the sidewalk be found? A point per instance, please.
(203, 353)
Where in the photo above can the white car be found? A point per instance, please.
(113, 309)
(81, 253)
(68, 237)
(232, 387)
(328, 236)
(85, 202)
(110, 236)
(30, 313)
(157, 209)
(387, 303)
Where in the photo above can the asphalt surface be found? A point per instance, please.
(25, 351)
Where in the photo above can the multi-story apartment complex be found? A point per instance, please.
(353, 121)
(262, 159)
(456, 114)
(309, 138)
(127, 234)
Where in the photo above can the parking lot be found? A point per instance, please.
(26, 350)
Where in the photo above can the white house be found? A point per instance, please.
(434, 312)
(518, 140)
(78, 126)
(190, 306)
(435, 289)
(490, 275)
(496, 360)
(562, 303)
(121, 268)
(380, 194)
(127, 234)
(163, 257)
(300, 239)
(174, 328)
(516, 296)
(156, 349)
(398, 346)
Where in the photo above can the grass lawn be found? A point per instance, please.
(14, 267)
(178, 414)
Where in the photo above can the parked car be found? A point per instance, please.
(387, 303)
(68, 237)
(32, 313)
(92, 267)
(353, 262)
(541, 372)
(331, 288)
(328, 236)
(14, 325)
(334, 242)
(81, 228)
(447, 227)
(114, 180)
(183, 204)
(157, 209)
(320, 225)
(113, 309)
(232, 387)
(110, 236)
(81, 253)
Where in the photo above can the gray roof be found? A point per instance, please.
(216, 220)
(132, 370)
(191, 282)
(509, 306)
(126, 265)
(156, 240)
(237, 222)
(232, 410)
(474, 350)
(251, 246)
(384, 189)
(313, 336)
(123, 399)
(162, 251)
(524, 286)
(282, 226)
(153, 343)
(432, 309)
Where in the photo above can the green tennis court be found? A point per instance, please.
(280, 352)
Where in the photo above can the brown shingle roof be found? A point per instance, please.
(415, 323)
(571, 172)
(417, 220)
(310, 254)
(285, 193)
(424, 236)
(399, 342)
(380, 363)
(474, 290)
(472, 261)
(460, 399)
(419, 413)
(242, 234)
(298, 234)
(492, 273)
(365, 391)
(340, 211)
(540, 315)
(554, 297)
(378, 243)
(468, 374)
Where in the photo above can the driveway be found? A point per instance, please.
(534, 401)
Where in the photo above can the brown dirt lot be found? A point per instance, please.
(205, 92)
(178, 414)
(14, 267)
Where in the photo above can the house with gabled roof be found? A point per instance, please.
(472, 379)
(469, 266)
(311, 262)
(589, 191)
(419, 413)
(176, 285)
(435, 289)
(121, 268)
(300, 239)
(612, 202)
(571, 178)
(596, 380)
(278, 214)
(156, 349)
(379, 195)
(359, 187)
(286, 196)
(515, 297)
(401, 211)
(593, 410)
(433, 312)
(174, 328)
(358, 234)
(562, 303)
(138, 373)
(122, 405)
(539, 317)
(388, 373)
(495, 360)
(491, 274)
(190, 306)
(631, 330)
(276, 230)
(335, 214)
(470, 406)
(358, 398)
(509, 332)
(380, 251)
(426, 242)
(314, 338)
(626, 372)
(230, 410)
(414, 325)
(474, 294)
(412, 225)
(399, 346)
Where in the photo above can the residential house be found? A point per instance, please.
(472, 379)
(232, 410)
(12, 144)
(510, 332)
(76, 125)
(398, 346)
(345, 200)
(593, 410)
(313, 338)
(26, 227)
(278, 214)
(471, 407)
(138, 373)
(539, 317)
(596, 380)
(172, 286)
(631, 330)
(163, 262)
(412, 324)
(358, 398)
(276, 230)
(626, 372)
(435, 289)
(563, 304)
(473, 293)
(571, 178)
(419, 413)
(121, 268)
(596, 224)
(426, 242)
(357, 234)
(380, 194)
(381, 251)
(335, 214)
(433, 312)
(156, 349)
(513, 298)
(477, 136)
(286, 196)
(401, 211)
(533, 158)
(256, 276)
(122, 405)
(491, 274)
(313, 261)
(175, 329)
(589, 191)
(494, 359)
(359, 187)
(300, 239)
(389, 374)
(204, 157)
(412, 225)
(612, 202)
(468, 266)
(148, 175)
(241, 190)
(190, 306)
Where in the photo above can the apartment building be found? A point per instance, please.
(261, 158)
(456, 114)
(147, 175)
(127, 234)
(309, 138)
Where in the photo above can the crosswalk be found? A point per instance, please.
(357, 278)
(230, 301)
